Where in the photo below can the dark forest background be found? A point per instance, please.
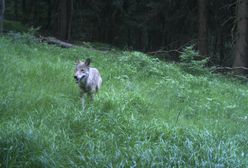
(217, 28)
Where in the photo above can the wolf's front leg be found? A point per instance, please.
(90, 100)
(83, 101)
(91, 97)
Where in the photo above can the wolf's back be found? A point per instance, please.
(94, 81)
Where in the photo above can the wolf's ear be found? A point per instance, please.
(87, 61)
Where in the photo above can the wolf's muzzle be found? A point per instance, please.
(76, 79)
(79, 79)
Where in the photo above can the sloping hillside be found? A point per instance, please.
(148, 113)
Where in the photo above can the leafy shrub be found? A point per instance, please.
(140, 62)
(25, 37)
(192, 62)
(14, 26)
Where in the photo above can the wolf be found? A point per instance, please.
(88, 79)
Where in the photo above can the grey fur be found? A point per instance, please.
(89, 80)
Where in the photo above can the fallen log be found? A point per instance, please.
(231, 71)
(228, 69)
(53, 40)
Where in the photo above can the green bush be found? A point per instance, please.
(14, 26)
(24, 37)
(192, 62)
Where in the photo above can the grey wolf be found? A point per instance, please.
(88, 79)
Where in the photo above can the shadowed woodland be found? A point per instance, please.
(218, 29)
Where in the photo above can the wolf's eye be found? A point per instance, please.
(82, 70)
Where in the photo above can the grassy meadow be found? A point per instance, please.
(148, 113)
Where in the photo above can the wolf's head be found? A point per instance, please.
(82, 71)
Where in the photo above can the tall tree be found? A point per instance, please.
(203, 28)
(24, 10)
(16, 9)
(65, 9)
(241, 50)
(2, 8)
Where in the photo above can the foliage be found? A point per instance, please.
(25, 37)
(192, 61)
(14, 26)
(133, 121)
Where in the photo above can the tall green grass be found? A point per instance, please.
(147, 114)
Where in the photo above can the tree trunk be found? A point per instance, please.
(65, 19)
(35, 17)
(241, 50)
(16, 9)
(69, 18)
(49, 14)
(221, 49)
(62, 20)
(203, 28)
(2, 8)
(24, 10)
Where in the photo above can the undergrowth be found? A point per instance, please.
(148, 113)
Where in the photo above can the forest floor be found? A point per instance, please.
(148, 113)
